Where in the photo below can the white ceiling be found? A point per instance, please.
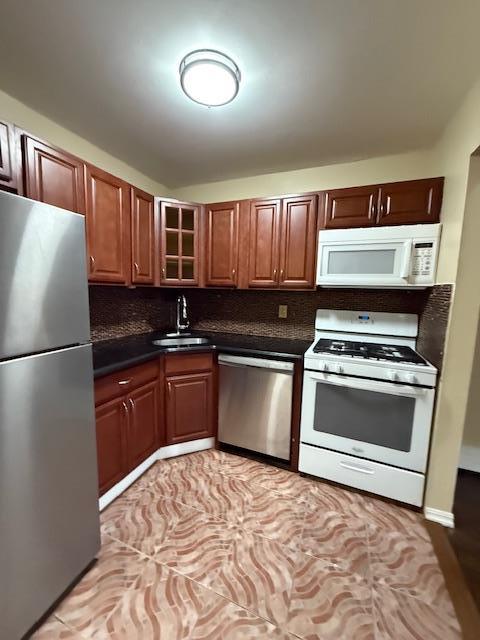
(324, 81)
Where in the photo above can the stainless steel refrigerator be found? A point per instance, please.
(49, 521)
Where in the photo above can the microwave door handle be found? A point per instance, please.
(407, 259)
(370, 385)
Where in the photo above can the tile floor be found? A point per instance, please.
(211, 546)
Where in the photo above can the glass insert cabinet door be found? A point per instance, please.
(179, 247)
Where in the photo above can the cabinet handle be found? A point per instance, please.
(125, 408)
(382, 209)
(233, 273)
(137, 270)
(274, 274)
(163, 272)
(125, 381)
(132, 404)
(281, 274)
(373, 209)
(169, 387)
(92, 263)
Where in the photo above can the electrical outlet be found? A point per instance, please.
(282, 310)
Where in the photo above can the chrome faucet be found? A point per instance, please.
(181, 322)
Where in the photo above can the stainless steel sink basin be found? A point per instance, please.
(180, 342)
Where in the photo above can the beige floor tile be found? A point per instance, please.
(53, 629)
(197, 545)
(409, 565)
(391, 517)
(401, 617)
(145, 524)
(212, 546)
(95, 597)
(328, 497)
(329, 604)
(282, 481)
(257, 575)
(339, 540)
(224, 620)
(162, 605)
(276, 517)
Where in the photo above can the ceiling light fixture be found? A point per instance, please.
(209, 77)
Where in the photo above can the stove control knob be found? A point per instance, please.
(393, 376)
(338, 368)
(411, 378)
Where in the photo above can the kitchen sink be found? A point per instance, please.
(180, 342)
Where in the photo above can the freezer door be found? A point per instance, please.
(43, 277)
(49, 521)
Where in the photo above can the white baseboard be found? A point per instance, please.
(444, 518)
(470, 458)
(185, 447)
(161, 454)
(121, 486)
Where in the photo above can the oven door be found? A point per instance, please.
(364, 263)
(371, 419)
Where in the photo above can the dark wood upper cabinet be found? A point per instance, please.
(298, 242)
(264, 243)
(108, 227)
(53, 176)
(143, 425)
(352, 207)
(8, 168)
(189, 406)
(179, 243)
(112, 455)
(143, 237)
(411, 202)
(221, 250)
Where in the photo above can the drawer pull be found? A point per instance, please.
(125, 381)
(353, 467)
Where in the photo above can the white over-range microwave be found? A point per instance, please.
(379, 257)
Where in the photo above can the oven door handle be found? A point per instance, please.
(369, 385)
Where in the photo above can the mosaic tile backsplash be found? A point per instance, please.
(116, 312)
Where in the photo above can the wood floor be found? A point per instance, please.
(465, 538)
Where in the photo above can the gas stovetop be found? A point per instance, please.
(369, 351)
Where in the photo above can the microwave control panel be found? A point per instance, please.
(423, 261)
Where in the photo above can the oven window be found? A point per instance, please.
(373, 261)
(367, 416)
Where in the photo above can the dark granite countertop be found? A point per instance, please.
(113, 355)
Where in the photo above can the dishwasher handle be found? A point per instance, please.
(257, 363)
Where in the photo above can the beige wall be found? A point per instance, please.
(461, 219)
(37, 124)
(471, 435)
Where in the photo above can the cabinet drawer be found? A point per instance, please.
(121, 382)
(391, 482)
(188, 362)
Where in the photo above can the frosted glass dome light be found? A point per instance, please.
(209, 77)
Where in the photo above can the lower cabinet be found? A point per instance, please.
(111, 422)
(190, 396)
(129, 419)
(189, 404)
(135, 410)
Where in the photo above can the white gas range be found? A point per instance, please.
(367, 405)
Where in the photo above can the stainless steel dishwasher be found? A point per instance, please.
(255, 404)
